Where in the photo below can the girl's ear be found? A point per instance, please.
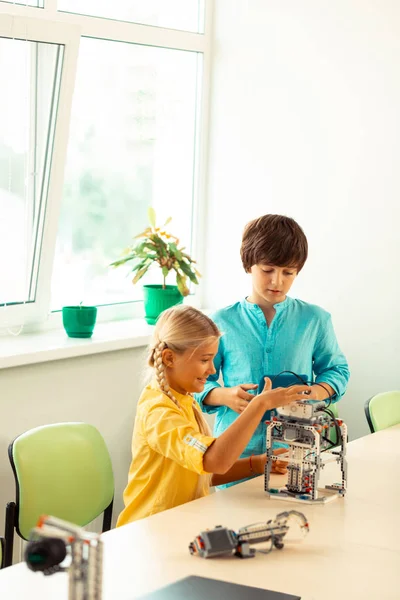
(167, 357)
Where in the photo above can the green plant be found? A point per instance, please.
(155, 245)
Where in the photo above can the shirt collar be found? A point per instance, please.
(279, 306)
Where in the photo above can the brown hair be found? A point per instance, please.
(274, 240)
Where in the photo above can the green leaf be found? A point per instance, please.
(181, 283)
(122, 261)
(161, 247)
(140, 265)
(167, 221)
(140, 274)
(188, 271)
(117, 263)
(152, 216)
(175, 250)
(165, 271)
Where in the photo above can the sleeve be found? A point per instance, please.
(329, 363)
(212, 383)
(172, 435)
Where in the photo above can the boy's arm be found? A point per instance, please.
(237, 397)
(214, 395)
(330, 365)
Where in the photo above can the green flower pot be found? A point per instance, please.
(157, 299)
(79, 321)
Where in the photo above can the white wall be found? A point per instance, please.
(305, 121)
(102, 389)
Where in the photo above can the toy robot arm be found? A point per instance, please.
(220, 540)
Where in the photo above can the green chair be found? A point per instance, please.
(63, 470)
(332, 435)
(383, 410)
(1, 552)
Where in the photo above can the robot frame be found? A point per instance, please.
(303, 426)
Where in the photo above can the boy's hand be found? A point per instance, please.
(282, 396)
(237, 398)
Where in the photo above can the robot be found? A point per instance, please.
(221, 540)
(303, 426)
(47, 549)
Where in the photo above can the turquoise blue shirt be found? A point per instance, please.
(300, 338)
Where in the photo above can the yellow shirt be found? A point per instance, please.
(167, 456)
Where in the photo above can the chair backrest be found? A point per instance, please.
(332, 434)
(1, 552)
(62, 470)
(383, 410)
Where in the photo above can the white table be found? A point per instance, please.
(352, 551)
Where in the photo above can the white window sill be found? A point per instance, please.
(31, 348)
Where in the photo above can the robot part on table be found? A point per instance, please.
(304, 427)
(47, 549)
(221, 540)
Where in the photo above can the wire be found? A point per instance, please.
(305, 382)
(291, 373)
(337, 427)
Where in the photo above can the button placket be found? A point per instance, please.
(270, 336)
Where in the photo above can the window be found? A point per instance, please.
(26, 137)
(31, 72)
(176, 14)
(77, 178)
(132, 145)
(35, 3)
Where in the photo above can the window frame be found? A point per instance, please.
(36, 30)
(55, 26)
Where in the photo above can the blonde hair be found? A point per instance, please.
(181, 328)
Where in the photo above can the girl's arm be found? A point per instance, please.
(244, 468)
(226, 449)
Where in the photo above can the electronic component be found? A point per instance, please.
(214, 542)
(303, 410)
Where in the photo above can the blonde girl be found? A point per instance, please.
(174, 455)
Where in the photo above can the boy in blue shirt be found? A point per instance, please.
(268, 332)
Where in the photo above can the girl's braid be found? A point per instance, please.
(160, 372)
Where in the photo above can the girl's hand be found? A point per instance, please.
(238, 398)
(282, 396)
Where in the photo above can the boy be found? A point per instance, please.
(269, 332)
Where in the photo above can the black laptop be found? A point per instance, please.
(202, 588)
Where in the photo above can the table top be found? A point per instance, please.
(351, 552)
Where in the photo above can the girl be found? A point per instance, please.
(174, 456)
